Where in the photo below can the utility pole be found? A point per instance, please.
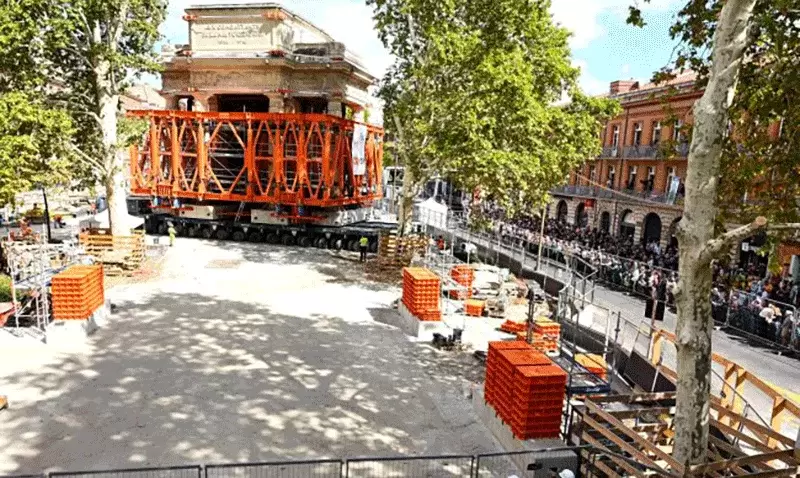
(46, 215)
(541, 239)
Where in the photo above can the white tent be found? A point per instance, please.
(432, 213)
(100, 221)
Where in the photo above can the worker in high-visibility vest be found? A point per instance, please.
(171, 231)
(362, 247)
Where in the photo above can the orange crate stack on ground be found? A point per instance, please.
(474, 308)
(421, 293)
(525, 388)
(547, 327)
(463, 275)
(77, 292)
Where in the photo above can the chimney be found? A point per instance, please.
(623, 86)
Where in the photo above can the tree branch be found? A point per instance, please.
(719, 243)
(98, 166)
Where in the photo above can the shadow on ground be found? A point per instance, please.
(186, 377)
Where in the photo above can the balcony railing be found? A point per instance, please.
(604, 193)
(642, 151)
(610, 152)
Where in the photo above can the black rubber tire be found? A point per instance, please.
(321, 243)
(337, 244)
(373, 247)
(206, 233)
(304, 241)
(287, 240)
(162, 228)
(238, 236)
(352, 245)
(222, 234)
(193, 231)
(180, 231)
(255, 236)
(273, 238)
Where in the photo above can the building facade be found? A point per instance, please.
(261, 58)
(634, 187)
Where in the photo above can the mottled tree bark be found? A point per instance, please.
(696, 235)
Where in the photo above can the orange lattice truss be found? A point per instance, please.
(274, 158)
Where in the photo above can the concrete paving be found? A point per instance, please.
(238, 352)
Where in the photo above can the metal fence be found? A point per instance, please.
(444, 466)
(279, 469)
(500, 465)
(190, 471)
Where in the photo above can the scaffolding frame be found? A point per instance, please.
(32, 267)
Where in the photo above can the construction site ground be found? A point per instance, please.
(237, 352)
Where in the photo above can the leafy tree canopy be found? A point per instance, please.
(476, 96)
(34, 147)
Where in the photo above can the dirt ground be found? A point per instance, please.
(237, 352)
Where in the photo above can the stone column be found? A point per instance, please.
(276, 102)
(335, 108)
(201, 101)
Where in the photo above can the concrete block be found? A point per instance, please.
(540, 450)
(71, 332)
(420, 330)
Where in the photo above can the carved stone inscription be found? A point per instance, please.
(226, 36)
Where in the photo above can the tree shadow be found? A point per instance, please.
(187, 377)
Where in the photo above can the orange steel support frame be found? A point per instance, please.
(272, 158)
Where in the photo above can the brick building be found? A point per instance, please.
(627, 189)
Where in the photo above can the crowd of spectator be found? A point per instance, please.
(749, 299)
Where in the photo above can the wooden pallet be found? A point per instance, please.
(395, 251)
(120, 255)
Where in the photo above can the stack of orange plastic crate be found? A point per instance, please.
(474, 307)
(546, 335)
(512, 327)
(421, 293)
(463, 275)
(77, 292)
(594, 363)
(526, 389)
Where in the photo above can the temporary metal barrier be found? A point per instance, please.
(525, 464)
(443, 466)
(186, 471)
(277, 469)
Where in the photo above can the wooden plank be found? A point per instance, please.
(593, 408)
(609, 434)
(730, 431)
(750, 424)
(622, 463)
(742, 461)
(3, 402)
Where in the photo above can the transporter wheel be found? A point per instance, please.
(222, 234)
(206, 232)
(180, 230)
(304, 241)
(321, 243)
(337, 243)
(373, 246)
(287, 240)
(194, 231)
(273, 238)
(150, 225)
(352, 245)
(255, 236)
(238, 236)
(162, 228)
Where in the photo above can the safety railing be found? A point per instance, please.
(287, 469)
(189, 471)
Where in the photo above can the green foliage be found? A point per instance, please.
(474, 93)
(34, 148)
(5, 288)
(79, 55)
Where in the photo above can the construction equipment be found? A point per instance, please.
(304, 179)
